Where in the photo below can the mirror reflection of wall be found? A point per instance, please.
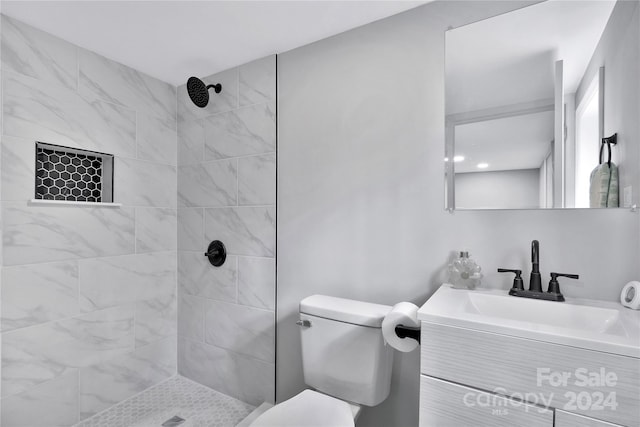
(587, 142)
(529, 96)
(503, 159)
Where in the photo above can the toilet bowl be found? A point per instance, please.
(346, 364)
(309, 409)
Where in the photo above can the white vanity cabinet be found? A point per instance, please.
(444, 403)
(567, 419)
(477, 378)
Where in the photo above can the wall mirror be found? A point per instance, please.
(530, 97)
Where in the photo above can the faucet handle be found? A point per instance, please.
(517, 281)
(554, 285)
(570, 276)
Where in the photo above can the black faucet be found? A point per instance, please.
(535, 282)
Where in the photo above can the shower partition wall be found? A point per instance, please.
(227, 192)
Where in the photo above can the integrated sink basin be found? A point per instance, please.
(596, 325)
(569, 316)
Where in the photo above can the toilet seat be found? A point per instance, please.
(308, 409)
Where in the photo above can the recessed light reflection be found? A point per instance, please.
(482, 165)
(458, 159)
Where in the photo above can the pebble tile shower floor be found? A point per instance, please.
(198, 405)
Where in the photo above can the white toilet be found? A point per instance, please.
(346, 363)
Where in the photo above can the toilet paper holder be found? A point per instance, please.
(408, 332)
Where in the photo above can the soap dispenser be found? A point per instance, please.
(464, 272)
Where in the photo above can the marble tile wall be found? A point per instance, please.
(88, 294)
(227, 191)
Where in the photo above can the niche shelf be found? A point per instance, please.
(66, 175)
(71, 203)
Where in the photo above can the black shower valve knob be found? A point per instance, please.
(217, 253)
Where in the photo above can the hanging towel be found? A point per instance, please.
(603, 190)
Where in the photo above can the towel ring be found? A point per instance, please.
(613, 139)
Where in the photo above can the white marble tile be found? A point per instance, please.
(241, 132)
(190, 317)
(141, 183)
(157, 140)
(257, 81)
(51, 404)
(246, 378)
(110, 382)
(191, 229)
(244, 230)
(156, 229)
(190, 142)
(257, 282)
(34, 233)
(226, 100)
(257, 180)
(245, 330)
(38, 111)
(110, 281)
(208, 184)
(18, 168)
(34, 53)
(37, 354)
(156, 318)
(196, 276)
(207, 365)
(256, 379)
(38, 293)
(114, 82)
(2, 222)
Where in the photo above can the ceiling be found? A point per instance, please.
(172, 40)
(509, 59)
(519, 142)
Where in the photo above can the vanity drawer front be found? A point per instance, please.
(566, 419)
(444, 404)
(493, 361)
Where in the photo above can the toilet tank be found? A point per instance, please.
(343, 352)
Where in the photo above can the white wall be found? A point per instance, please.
(514, 189)
(360, 191)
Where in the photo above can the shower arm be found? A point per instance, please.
(216, 87)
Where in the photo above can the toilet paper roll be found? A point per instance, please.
(405, 314)
(630, 295)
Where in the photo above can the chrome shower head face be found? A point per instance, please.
(199, 92)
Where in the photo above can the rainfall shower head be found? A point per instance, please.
(199, 92)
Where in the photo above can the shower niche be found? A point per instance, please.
(65, 174)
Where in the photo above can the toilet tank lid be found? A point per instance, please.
(345, 310)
